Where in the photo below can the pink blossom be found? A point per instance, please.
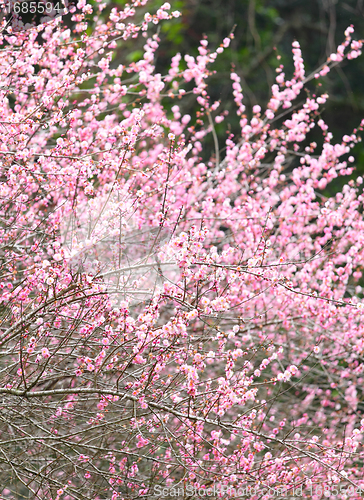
(201, 309)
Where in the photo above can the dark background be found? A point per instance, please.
(263, 29)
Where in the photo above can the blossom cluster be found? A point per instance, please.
(167, 319)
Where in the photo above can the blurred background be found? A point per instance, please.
(261, 26)
(263, 29)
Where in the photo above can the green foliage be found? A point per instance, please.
(173, 30)
(134, 56)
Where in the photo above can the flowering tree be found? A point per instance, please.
(169, 322)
